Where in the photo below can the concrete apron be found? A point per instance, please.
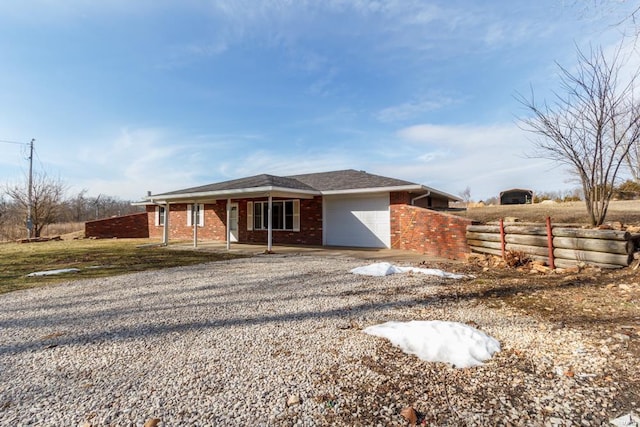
(375, 255)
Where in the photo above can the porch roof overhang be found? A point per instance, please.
(239, 193)
(265, 191)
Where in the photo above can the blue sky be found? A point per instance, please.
(128, 96)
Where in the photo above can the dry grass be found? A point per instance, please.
(67, 230)
(602, 304)
(624, 211)
(94, 258)
(63, 228)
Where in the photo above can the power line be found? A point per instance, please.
(38, 157)
(14, 142)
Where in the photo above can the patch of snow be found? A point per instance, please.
(386, 268)
(437, 341)
(53, 272)
(629, 420)
(377, 269)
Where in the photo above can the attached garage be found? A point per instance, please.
(359, 221)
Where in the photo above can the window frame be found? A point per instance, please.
(161, 212)
(288, 215)
(199, 213)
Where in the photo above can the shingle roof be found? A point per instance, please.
(347, 180)
(342, 180)
(256, 181)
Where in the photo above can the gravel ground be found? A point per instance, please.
(276, 340)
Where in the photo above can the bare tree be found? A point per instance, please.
(47, 197)
(591, 126)
(621, 14)
(465, 195)
(633, 161)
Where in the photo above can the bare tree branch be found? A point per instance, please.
(592, 126)
(46, 202)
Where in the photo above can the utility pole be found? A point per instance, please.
(30, 190)
(98, 206)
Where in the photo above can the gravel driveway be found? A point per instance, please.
(276, 340)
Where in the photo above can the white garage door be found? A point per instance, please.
(362, 221)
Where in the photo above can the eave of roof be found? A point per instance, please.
(442, 193)
(412, 187)
(343, 182)
(232, 193)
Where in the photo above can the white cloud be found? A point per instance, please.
(488, 159)
(463, 136)
(495, 34)
(142, 159)
(322, 83)
(275, 163)
(413, 109)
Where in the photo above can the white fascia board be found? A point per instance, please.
(373, 190)
(442, 193)
(238, 193)
(150, 202)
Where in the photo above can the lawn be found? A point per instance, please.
(94, 258)
(624, 211)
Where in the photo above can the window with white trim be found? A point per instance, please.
(160, 212)
(285, 215)
(195, 213)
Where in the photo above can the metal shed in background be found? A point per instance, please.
(516, 196)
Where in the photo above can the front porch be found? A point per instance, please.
(368, 254)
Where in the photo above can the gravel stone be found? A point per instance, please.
(230, 343)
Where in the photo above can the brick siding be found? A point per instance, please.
(126, 226)
(215, 218)
(214, 222)
(426, 231)
(310, 226)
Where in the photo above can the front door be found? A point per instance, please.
(233, 222)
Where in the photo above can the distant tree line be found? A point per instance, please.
(627, 190)
(51, 204)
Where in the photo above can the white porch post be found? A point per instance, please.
(228, 224)
(269, 225)
(165, 234)
(194, 220)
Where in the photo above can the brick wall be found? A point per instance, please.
(214, 222)
(155, 232)
(426, 231)
(310, 226)
(215, 215)
(127, 226)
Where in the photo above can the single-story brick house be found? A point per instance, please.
(339, 208)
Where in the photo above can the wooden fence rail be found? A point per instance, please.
(566, 246)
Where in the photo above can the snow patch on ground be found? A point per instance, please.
(386, 268)
(53, 272)
(437, 341)
(628, 420)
